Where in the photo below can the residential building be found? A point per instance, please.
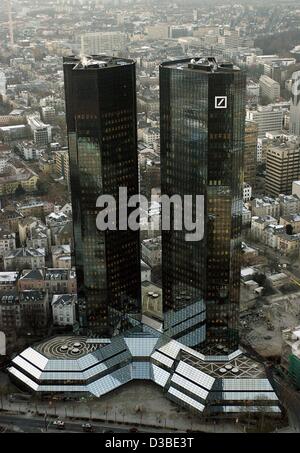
(23, 258)
(258, 225)
(265, 206)
(293, 220)
(289, 244)
(34, 307)
(64, 309)
(10, 311)
(7, 241)
(247, 192)
(289, 204)
(61, 256)
(18, 177)
(53, 281)
(8, 280)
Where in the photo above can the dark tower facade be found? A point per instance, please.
(202, 115)
(100, 97)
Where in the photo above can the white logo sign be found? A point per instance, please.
(220, 102)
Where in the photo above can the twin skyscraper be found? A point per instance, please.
(202, 114)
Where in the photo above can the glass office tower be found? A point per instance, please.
(202, 115)
(100, 97)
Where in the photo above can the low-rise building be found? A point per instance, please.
(246, 217)
(10, 311)
(7, 241)
(247, 192)
(258, 225)
(60, 281)
(28, 151)
(39, 239)
(265, 206)
(151, 135)
(289, 204)
(61, 256)
(62, 234)
(10, 218)
(8, 280)
(271, 235)
(152, 300)
(278, 279)
(23, 258)
(26, 226)
(64, 309)
(145, 272)
(34, 310)
(54, 281)
(16, 178)
(293, 220)
(31, 279)
(32, 208)
(151, 251)
(289, 244)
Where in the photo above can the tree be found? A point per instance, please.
(41, 188)
(19, 191)
(289, 229)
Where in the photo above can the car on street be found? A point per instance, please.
(87, 428)
(59, 424)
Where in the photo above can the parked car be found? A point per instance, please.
(87, 428)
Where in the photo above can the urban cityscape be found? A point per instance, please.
(149, 218)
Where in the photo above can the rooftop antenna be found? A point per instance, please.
(10, 22)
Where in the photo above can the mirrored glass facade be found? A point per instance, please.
(101, 119)
(202, 142)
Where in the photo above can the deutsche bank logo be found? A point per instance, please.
(220, 102)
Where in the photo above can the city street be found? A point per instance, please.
(28, 424)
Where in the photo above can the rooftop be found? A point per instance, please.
(8, 277)
(90, 62)
(223, 383)
(63, 299)
(204, 64)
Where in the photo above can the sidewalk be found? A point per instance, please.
(138, 403)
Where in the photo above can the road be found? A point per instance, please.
(29, 424)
